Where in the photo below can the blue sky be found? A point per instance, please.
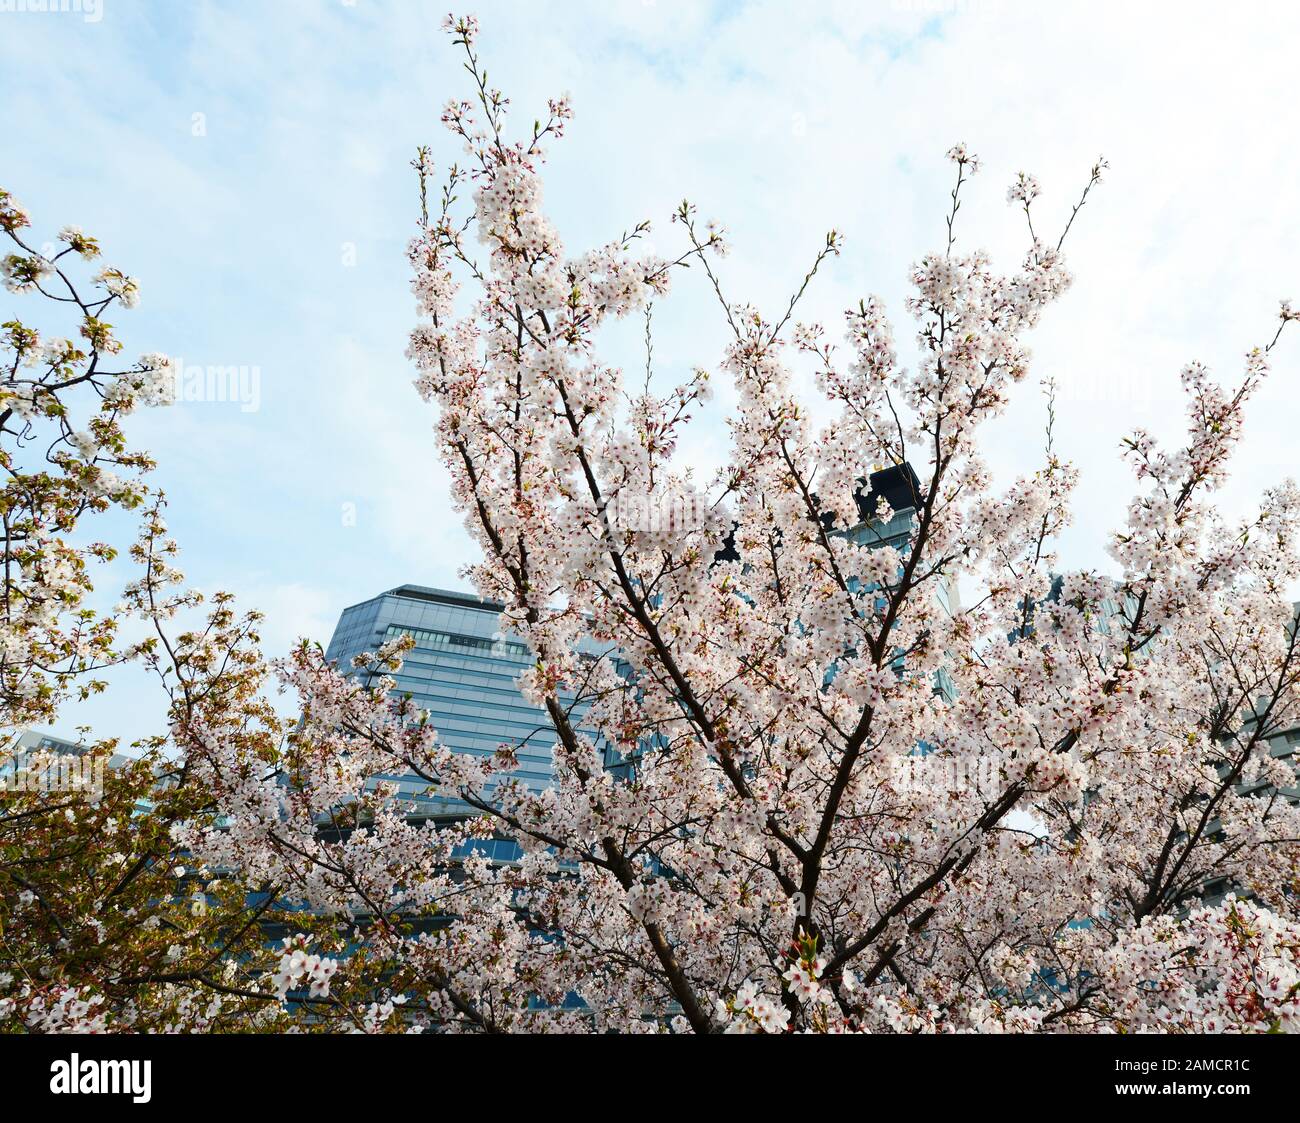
(780, 120)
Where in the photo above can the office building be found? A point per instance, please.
(462, 670)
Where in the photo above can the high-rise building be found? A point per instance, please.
(462, 670)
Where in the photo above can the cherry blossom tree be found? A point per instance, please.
(797, 785)
(64, 456)
(102, 923)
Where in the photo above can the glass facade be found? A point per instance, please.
(899, 486)
(462, 670)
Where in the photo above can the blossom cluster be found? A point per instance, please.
(65, 456)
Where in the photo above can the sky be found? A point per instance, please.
(249, 163)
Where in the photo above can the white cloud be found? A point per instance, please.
(780, 121)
